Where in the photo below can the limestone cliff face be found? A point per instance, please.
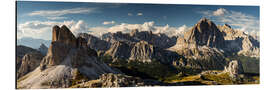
(63, 35)
(239, 42)
(142, 51)
(120, 50)
(201, 46)
(158, 40)
(95, 42)
(205, 32)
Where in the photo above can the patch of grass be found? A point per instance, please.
(222, 78)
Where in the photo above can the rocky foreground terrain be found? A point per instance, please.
(207, 54)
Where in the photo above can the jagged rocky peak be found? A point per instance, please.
(62, 44)
(205, 32)
(119, 49)
(142, 51)
(95, 42)
(63, 35)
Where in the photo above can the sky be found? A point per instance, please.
(35, 19)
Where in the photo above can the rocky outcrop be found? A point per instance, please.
(142, 51)
(20, 52)
(117, 80)
(250, 47)
(204, 58)
(43, 49)
(65, 56)
(234, 68)
(30, 61)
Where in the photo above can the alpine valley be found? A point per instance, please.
(206, 54)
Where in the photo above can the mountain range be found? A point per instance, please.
(207, 54)
(33, 42)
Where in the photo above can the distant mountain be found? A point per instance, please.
(201, 46)
(158, 40)
(32, 42)
(239, 42)
(206, 45)
(43, 49)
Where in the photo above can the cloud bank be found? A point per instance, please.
(42, 30)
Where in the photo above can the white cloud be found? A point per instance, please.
(108, 22)
(238, 20)
(43, 30)
(58, 14)
(146, 26)
(139, 14)
(220, 12)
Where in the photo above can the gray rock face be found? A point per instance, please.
(95, 42)
(158, 40)
(201, 47)
(250, 47)
(56, 54)
(239, 42)
(205, 32)
(142, 51)
(120, 50)
(204, 58)
(30, 61)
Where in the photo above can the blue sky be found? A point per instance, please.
(34, 19)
